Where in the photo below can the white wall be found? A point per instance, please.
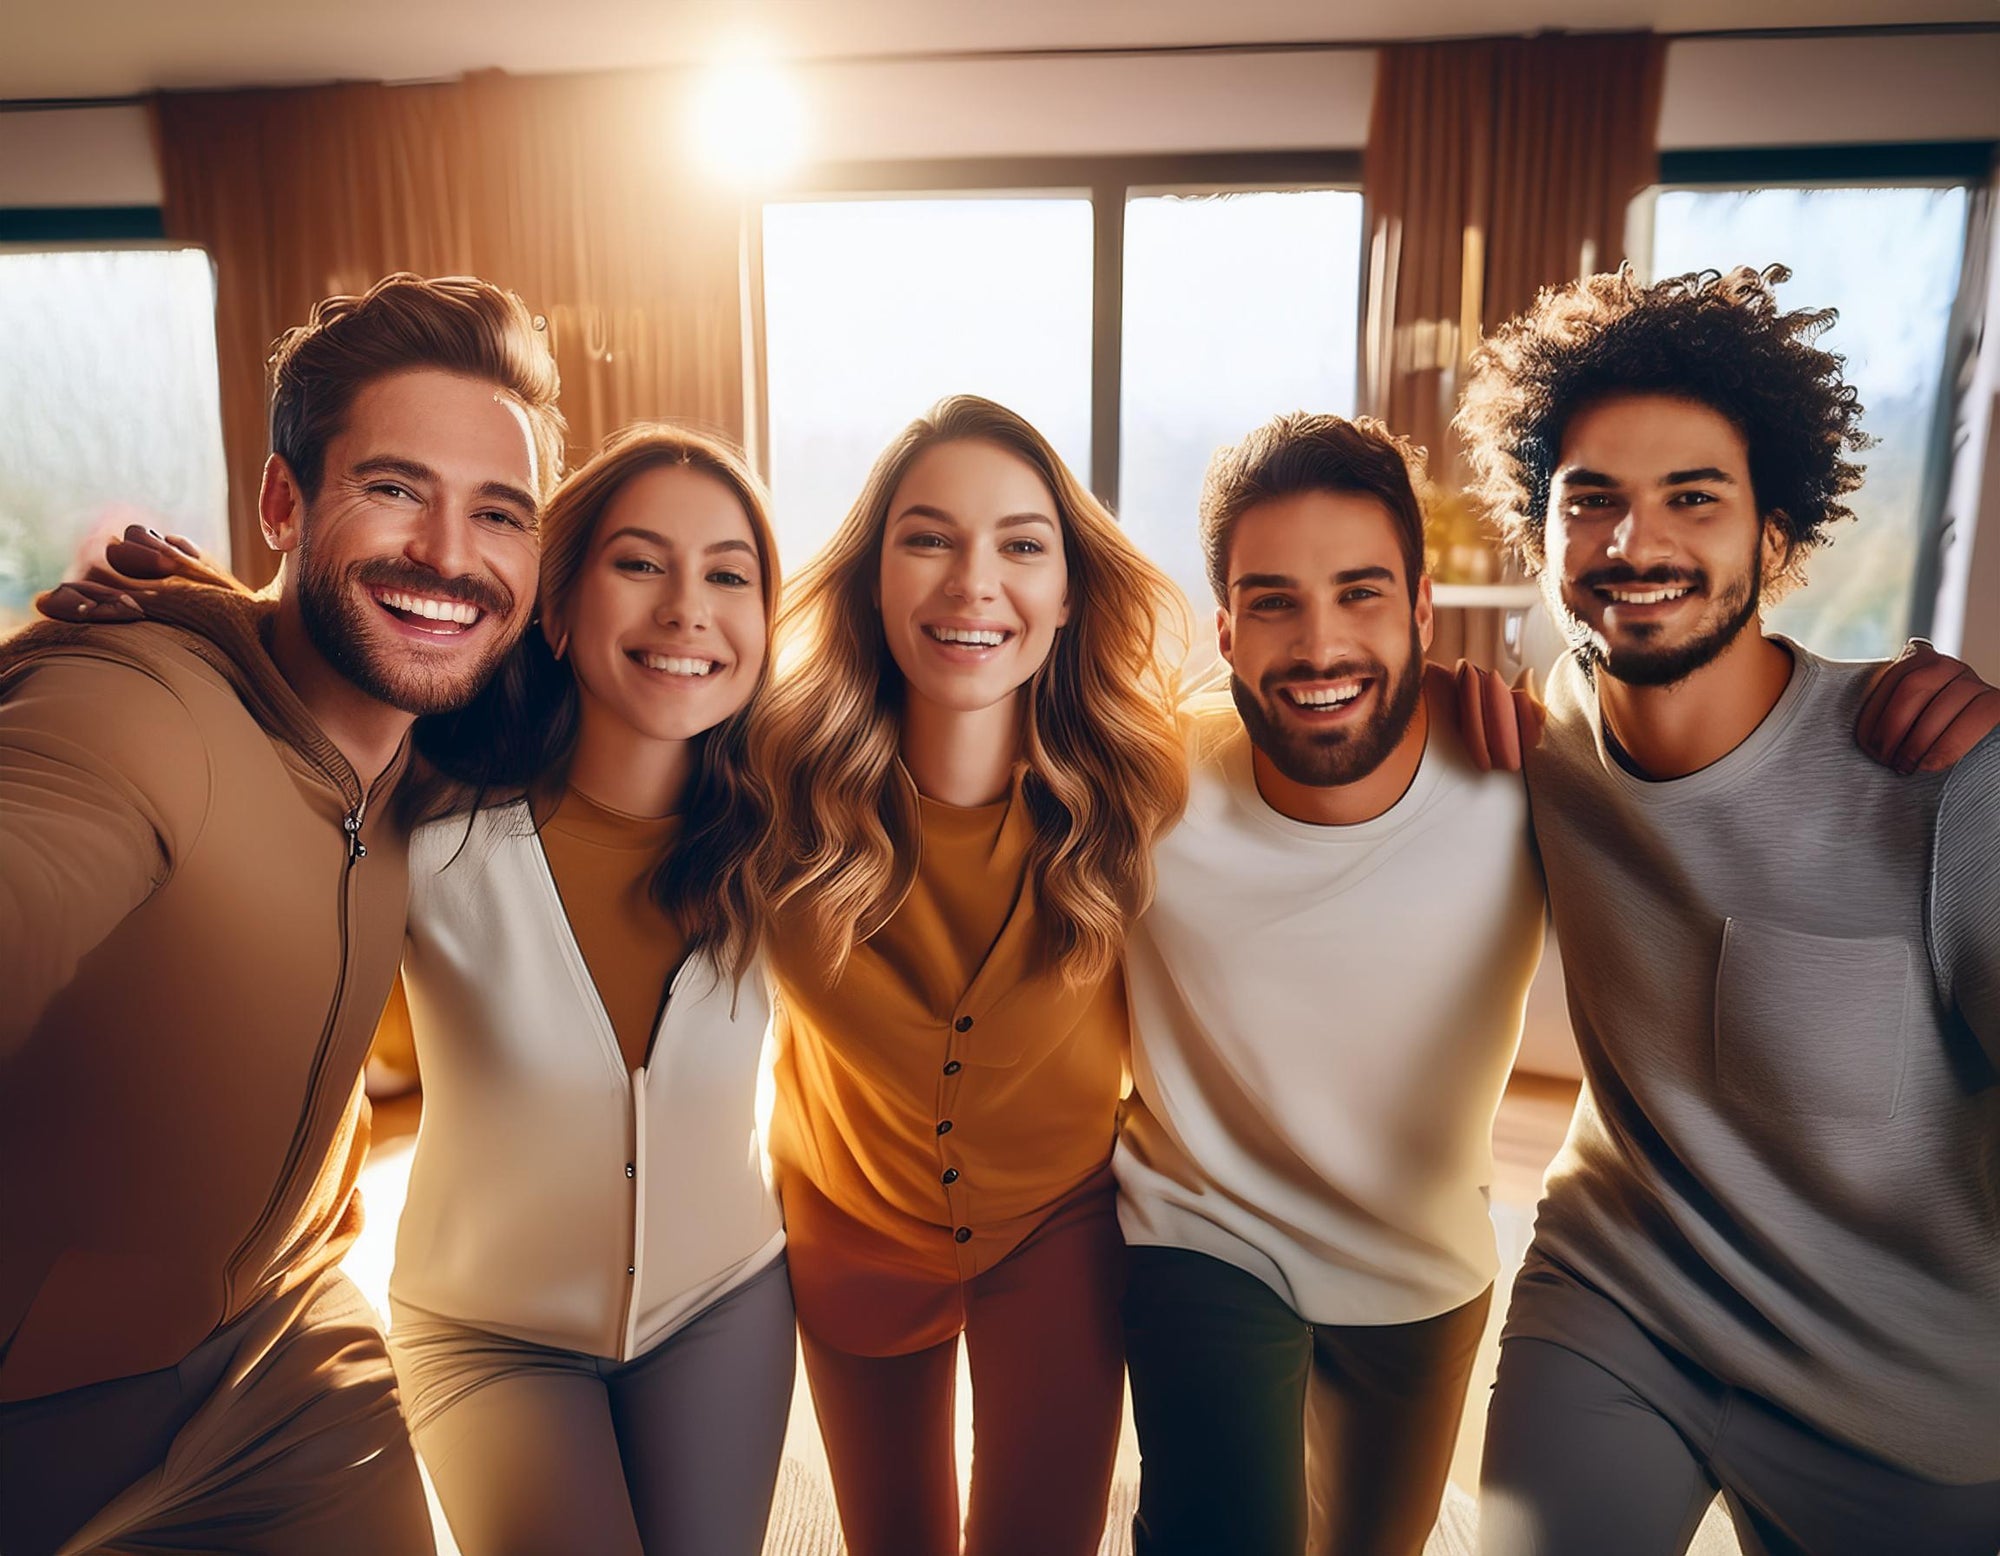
(1718, 92)
(78, 156)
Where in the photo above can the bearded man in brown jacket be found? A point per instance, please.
(202, 891)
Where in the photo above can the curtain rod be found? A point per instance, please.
(1114, 51)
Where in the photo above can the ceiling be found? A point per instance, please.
(100, 48)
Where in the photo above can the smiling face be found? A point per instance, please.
(1321, 635)
(416, 559)
(1657, 551)
(973, 581)
(666, 625)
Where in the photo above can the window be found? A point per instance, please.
(876, 309)
(1888, 259)
(109, 410)
(1140, 312)
(1237, 307)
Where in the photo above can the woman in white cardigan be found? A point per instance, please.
(592, 1324)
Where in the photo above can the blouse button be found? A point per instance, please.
(962, 1024)
(630, 1171)
(952, 1067)
(631, 1269)
(962, 1235)
(950, 1175)
(944, 1126)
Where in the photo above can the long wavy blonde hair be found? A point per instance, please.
(1105, 769)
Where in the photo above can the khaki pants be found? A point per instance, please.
(279, 1434)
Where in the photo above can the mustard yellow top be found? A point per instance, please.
(603, 862)
(945, 1094)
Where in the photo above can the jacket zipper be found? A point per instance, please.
(356, 852)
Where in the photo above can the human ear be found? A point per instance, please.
(281, 506)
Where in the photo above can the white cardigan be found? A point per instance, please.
(555, 1197)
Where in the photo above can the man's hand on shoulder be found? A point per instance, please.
(1499, 724)
(1925, 711)
(142, 560)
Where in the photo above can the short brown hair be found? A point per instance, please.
(458, 323)
(1306, 452)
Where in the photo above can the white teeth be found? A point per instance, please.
(676, 664)
(430, 609)
(1645, 596)
(1324, 696)
(971, 637)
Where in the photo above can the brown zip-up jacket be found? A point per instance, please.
(201, 913)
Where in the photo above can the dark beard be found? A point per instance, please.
(1642, 665)
(1335, 757)
(339, 626)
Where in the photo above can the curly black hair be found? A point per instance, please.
(1713, 338)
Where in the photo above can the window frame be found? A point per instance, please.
(1967, 165)
(1108, 183)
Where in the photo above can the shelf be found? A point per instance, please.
(1506, 597)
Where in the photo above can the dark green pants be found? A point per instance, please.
(1248, 1416)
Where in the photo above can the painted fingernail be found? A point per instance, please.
(82, 606)
(128, 602)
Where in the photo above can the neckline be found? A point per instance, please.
(1241, 774)
(1726, 769)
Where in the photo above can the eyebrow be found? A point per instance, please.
(416, 470)
(667, 545)
(1346, 575)
(919, 510)
(1597, 478)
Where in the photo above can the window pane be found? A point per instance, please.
(1237, 307)
(874, 309)
(1888, 259)
(108, 409)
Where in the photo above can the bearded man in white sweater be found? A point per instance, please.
(1327, 994)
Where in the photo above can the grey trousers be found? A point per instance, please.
(1625, 1453)
(675, 1453)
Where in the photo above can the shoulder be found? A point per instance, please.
(1968, 823)
(459, 850)
(147, 728)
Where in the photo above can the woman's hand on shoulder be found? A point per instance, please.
(135, 564)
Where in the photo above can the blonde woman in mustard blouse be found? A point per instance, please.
(973, 749)
(592, 1325)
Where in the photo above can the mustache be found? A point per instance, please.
(1664, 577)
(1342, 669)
(488, 595)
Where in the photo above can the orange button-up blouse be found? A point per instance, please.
(945, 1095)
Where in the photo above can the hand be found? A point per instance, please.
(1925, 711)
(142, 555)
(147, 556)
(85, 600)
(1498, 723)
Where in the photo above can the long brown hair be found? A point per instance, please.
(1105, 768)
(517, 737)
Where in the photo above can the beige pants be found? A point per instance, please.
(279, 1434)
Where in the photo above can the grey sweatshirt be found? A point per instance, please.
(1784, 976)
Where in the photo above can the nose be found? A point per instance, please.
(683, 603)
(1323, 638)
(445, 543)
(1643, 537)
(972, 577)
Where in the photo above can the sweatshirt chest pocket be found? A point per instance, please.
(1810, 1027)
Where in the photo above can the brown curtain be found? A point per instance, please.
(1494, 167)
(569, 190)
